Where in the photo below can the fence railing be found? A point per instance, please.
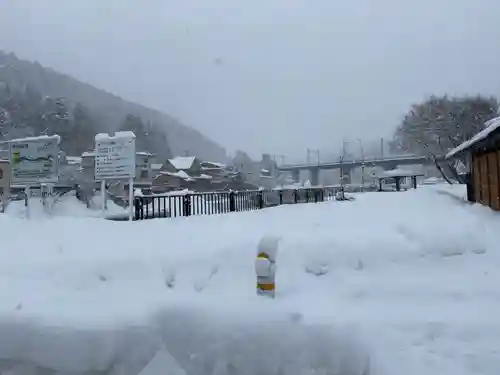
(155, 206)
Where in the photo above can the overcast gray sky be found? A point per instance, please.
(267, 75)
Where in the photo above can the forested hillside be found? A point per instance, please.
(35, 100)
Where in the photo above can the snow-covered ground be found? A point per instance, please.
(410, 277)
(66, 206)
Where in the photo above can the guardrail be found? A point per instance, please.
(163, 206)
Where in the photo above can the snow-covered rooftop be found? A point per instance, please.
(182, 162)
(180, 174)
(215, 164)
(205, 177)
(490, 127)
(156, 166)
(88, 154)
(144, 153)
(38, 138)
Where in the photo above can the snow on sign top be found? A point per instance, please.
(124, 134)
(490, 127)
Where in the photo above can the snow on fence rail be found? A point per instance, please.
(213, 203)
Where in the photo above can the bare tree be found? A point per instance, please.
(84, 185)
(439, 124)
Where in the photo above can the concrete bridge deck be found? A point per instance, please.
(354, 163)
(346, 166)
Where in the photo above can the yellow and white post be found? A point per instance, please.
(265, 266)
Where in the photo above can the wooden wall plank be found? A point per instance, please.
(485, 191)
(493, 180)
(476, 173)
(497, 153)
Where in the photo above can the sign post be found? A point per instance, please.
(103, 196)
(115, 160)
(131, 198)
(4, 183)
(34, 161)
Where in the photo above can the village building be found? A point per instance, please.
(481, 158)
(189, 164)
(143, 170)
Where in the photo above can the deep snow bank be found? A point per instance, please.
(197, 341)
(413, 274)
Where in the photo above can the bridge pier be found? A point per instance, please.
(345, 175)
(314, 173)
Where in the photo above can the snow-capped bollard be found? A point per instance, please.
(265, 265)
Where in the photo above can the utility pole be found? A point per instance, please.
(362, 164)
(342, 170)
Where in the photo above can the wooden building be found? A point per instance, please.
(481, 156)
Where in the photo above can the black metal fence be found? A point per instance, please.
(155, 206)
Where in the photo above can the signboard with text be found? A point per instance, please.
(115, 156)
(34, 160)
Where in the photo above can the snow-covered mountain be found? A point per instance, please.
(110, 110)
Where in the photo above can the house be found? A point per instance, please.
(166, 181)
(218, 172)
(269, 164)
(156, 168)
(70, 168)
(247, 168)
(189, 164)
(213, 169)
(87, 165)
(187, 172)
(481, 158)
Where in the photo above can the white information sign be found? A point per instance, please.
(34, 160)
(115, 156)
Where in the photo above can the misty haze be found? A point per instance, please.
(273, 76)
(279, 187)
